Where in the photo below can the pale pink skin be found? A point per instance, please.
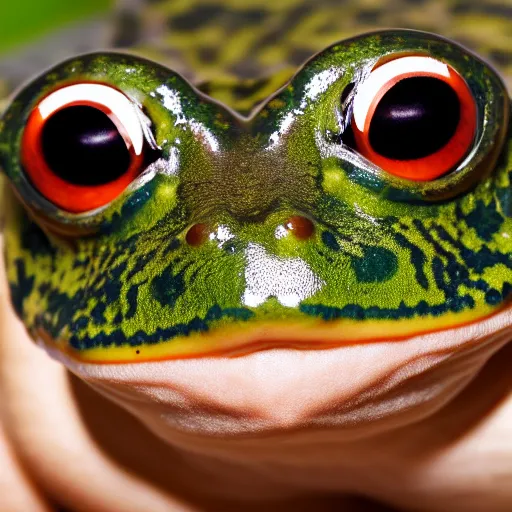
(421, 424)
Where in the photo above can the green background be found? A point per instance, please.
(23, 21)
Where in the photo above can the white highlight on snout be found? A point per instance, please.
(381, 80)
(123, 109)
(289, 280)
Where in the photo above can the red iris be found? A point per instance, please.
(83, 146)
(414, 117)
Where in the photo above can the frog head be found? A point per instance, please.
(356, 225)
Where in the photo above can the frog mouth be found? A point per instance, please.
(241, 339)
(352, 387)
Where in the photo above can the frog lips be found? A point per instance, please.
(349, 387)
(237, 339)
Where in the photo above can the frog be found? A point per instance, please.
(286, 292)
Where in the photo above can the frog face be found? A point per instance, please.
(149, 222)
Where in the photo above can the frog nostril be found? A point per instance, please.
(197, 234)
(300, 226)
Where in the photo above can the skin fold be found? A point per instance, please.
(263, 319)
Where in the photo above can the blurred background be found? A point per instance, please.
(35, 34)
(22, 21)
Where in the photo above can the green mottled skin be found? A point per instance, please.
(383, 248)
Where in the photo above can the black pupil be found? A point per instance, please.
(414, 119)
(83, 146)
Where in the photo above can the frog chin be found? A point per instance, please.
(353, 391)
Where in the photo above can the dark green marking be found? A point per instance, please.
(21, 288)
(486, 220)
(168, 287)
(376, 265)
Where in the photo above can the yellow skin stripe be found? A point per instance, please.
(235, 341)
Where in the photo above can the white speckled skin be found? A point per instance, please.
(400, 422)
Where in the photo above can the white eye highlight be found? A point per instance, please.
(386, 76)
(112, 102)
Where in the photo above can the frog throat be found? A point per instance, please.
(250, 233)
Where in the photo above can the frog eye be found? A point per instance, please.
(82, 146)
(415, 117)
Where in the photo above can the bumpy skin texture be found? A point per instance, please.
(385, 252)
